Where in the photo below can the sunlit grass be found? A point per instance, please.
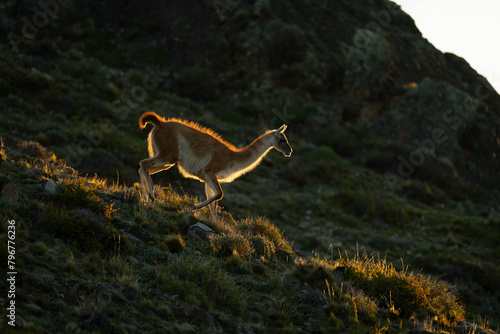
(371, 286)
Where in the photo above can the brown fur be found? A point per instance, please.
(202, 154)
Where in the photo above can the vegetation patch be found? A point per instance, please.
(410, 293)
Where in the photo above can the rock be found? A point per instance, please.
(101, 162)
(65, 105)
(33, 280)
(133, 238)
(9, 192)
(50, 187)
(34, 172)
(20, 322)
(431, 132)
(186, 328)
(33, 308)
(37, 63)
(130, 328)
(204, 320)
(131, 292)
(151, 228)
(64, 176)
(200, 231)
(368, 71)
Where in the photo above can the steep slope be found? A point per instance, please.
(90, 257)
(395, 143)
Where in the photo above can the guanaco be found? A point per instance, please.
(202, 154)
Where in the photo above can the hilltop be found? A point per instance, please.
(395, 167)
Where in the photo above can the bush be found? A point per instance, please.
(202, 280)
(39, 248)
(287, 45)
(102, 163)
(78, 193)
(173, 243)
(266, 237)
(373, 205)
(263, 246)
(197, 84)
(342, 141)
(324, 153)
(412, 294)
(83, 228)
(364, 287)
(34, 149)
(227, 244)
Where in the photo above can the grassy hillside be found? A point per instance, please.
(384, 219)
(94, 257)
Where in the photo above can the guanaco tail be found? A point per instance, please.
(202, 154)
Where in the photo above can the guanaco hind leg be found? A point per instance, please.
(212, 206)
(213, 183)
(144, 183)
(151, 166)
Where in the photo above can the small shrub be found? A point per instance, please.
(189, 291)
(3, 156)
(263, 246)
(79, 193)
(96, 109)
(373, 205)
(173, 199)
(226, 244)
(191, 275)
(84, 229)
(173, 243)
(325, 153)
(287, 45)
(39, 248)
(164, 311)
(93, 220)
(154, 255)
(33, 149)
(102, 163)
(412, 293)
(260, 226)
(343, 142)
(271, 236)
(129, 195)
(350, 304)
(197, 84)
(69, 227)
(70, 265)
(362, 288)
(315, 272)
(94, 263)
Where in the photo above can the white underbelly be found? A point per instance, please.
(189, 164)
(233, 172)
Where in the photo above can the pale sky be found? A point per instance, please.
(469, 29)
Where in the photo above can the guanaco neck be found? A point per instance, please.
(252, 154)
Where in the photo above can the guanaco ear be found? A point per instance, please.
(283, 128)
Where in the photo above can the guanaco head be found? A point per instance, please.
(280, 142)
